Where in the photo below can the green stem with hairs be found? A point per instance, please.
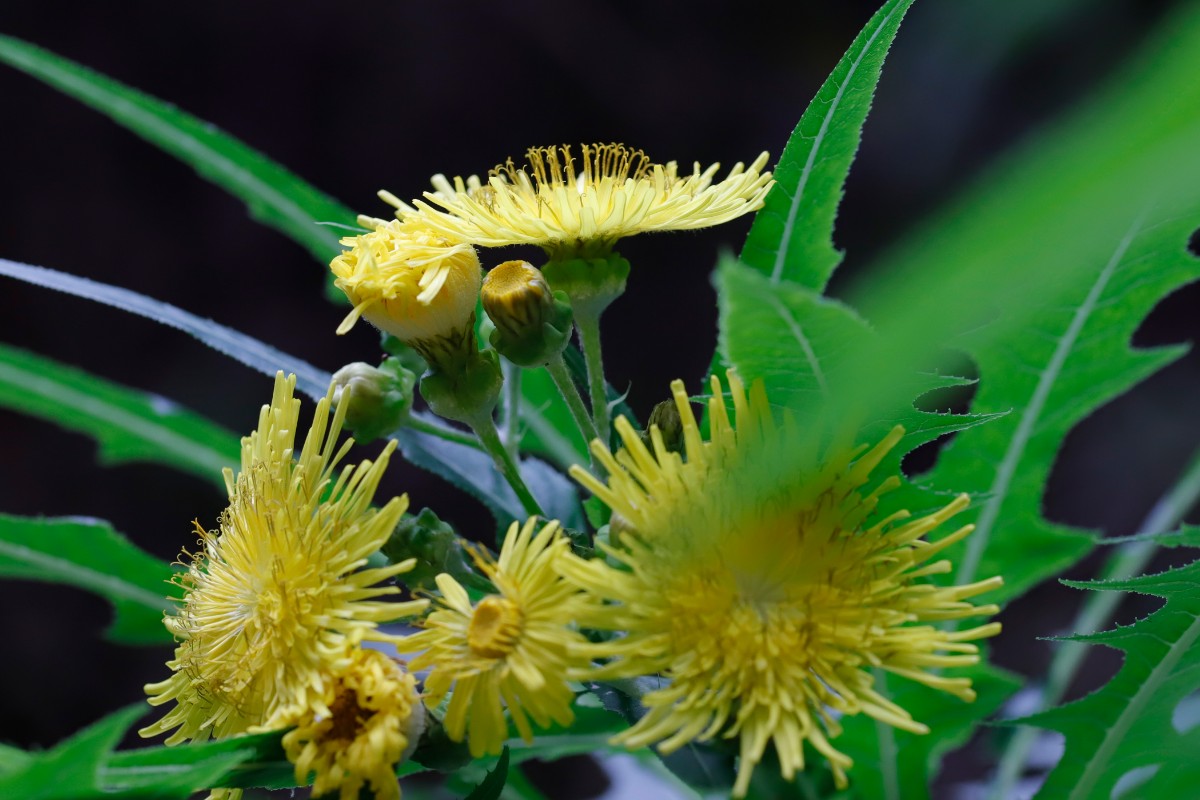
(489, 437)
(588, 323)
(570, 393)
(442, 432)
(512, 408)
(1127, 561)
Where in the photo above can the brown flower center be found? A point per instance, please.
(495, 627)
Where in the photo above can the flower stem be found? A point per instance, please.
(512, 408)
(588, 323)
(489, 437)
(1126, 561)
(570, 393)
(441, 431)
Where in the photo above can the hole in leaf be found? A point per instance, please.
(943, 400)
(1132, 780)
(1194, 243)
(1187, 713)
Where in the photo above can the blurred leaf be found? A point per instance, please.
(549, 429)
(77, 769)
(1128, 723)
(242, 348)
(127, 425)
(274, 195)
(893, 763)
(89, 554)
(806, 348)
(791, 239)
(493, 783)
(473, 471)
(12, 759)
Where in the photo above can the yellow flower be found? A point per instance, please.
(764, 590)
(370, 721)
(277, 597)
(510, 650)
(409, 280)
(584, 205)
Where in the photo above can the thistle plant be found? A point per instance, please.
(753, 591)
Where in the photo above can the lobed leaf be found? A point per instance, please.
(127, 425)
(89, 554)
(1130, 724)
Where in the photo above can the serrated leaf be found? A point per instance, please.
(791, 239)
(89, 554)
(493, 783)
(242, 348)
(77, 769)
(273, 195)
(127, 425)
(807, 350)
(1127, 724)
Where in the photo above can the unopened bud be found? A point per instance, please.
(378, 399)
(665, 417)
(532, 325)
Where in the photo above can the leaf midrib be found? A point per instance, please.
(132, 108)
(1117, 731)
(201, 457)
(998, 492)
(106, 585)
(810, 162)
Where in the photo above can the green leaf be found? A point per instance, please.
(791, 239)
(893, 763)
(806, 349)
(242, 348)
(274, 196)
(89, 554)
(127, 425)
(466, 468)
(12, 759)
(1127, 724)
(493, 784)
(549, 429)
(78, 769)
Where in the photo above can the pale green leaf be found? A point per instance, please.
(89, 554)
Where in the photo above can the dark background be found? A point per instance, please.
(371, 95)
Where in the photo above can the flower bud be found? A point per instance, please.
(409, 281)
(378, 399)
(532, 325)
(665, 417)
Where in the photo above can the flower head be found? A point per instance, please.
(511, 649)
(409, 280)
(277, 598)
(584, 204)
(764, 590)
(370, 720)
